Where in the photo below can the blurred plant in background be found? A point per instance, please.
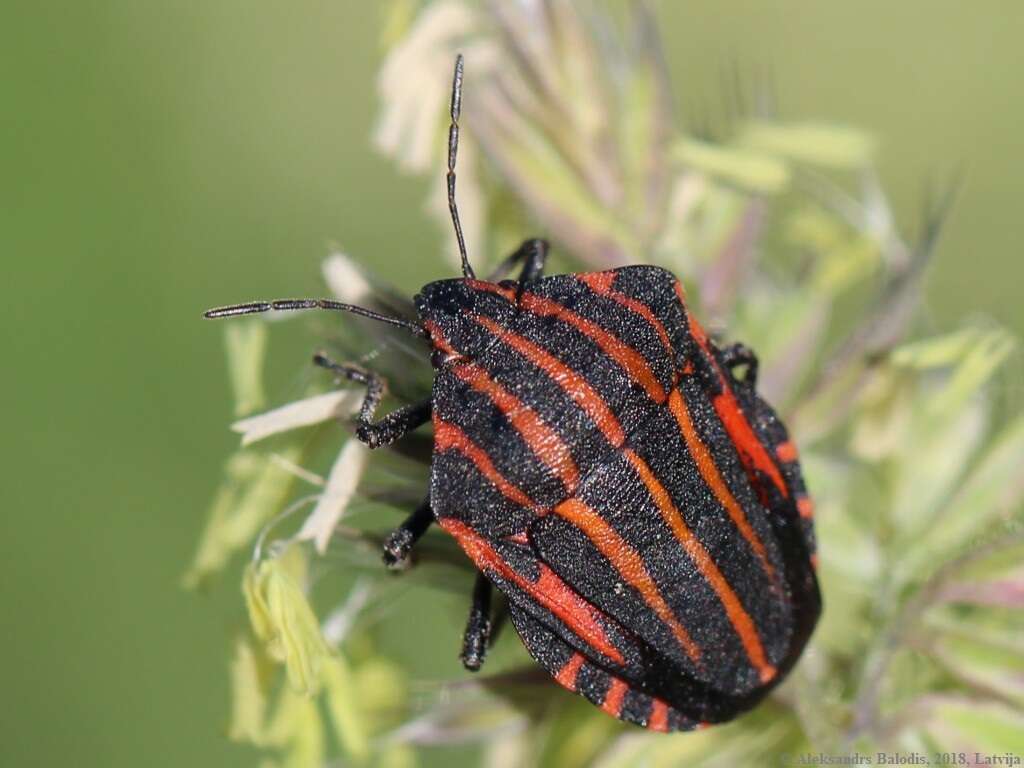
(784, 239)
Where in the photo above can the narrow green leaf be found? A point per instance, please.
(983, 665)
(828, 146)
(551, 187)
(992, 493)
(937, 351)
(747, 169)
(987, 728)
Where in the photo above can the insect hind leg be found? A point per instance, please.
(388, 429)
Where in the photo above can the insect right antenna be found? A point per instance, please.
(453, 150)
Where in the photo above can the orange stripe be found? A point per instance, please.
(709, 471)
(786, 452)
(752, 452)
(680, 293)
(571, 382)
(541, 438)
(601, 284)
(549, 590)
(613, 699)
(482, 285)
(628, 563)
(658, 721)
(437, 337)
(805, 506)
(738, 617)
(631, 361)
(448, 436)
(566, 676)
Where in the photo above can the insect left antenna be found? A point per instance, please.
(453, 150)
(284, 305)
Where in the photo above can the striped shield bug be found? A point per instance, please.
(613, 472)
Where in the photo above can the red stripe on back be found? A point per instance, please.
(750, 448)
(571, 382)
(627, 358)
(448, 436)
(709, 471)
(738, 616)
(549, 590)
(658, 721)
(541, 438)
(628, 562)
(601, 284)
(437, 337)
(483, 285)
(805, 506)
(614, 697)
(786, 452)
(566, 676)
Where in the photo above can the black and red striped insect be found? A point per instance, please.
(605, 466)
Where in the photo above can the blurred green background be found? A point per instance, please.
(162, 157)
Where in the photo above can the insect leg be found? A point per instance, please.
(478, 626)
(388, 429)
(532, 253)
(400, 541)
(737, 355)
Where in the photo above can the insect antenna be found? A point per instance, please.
(255, 307)
(453, 150)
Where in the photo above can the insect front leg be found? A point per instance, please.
(478, 626)
(736, 355)
(400, 541)
(533, 254)
(388, 429)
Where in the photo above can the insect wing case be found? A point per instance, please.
(581, 463)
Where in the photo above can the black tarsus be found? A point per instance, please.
(736, 355)
(532, 253)
(393, 426)
(283, 305)
(453, 150)
(400, 541)
(478, 626)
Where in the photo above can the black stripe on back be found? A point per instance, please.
(624, 324)
(474, 413)
(552, 653)
(472, 498)
(656, 288)
(618, 493)
(666, 453)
